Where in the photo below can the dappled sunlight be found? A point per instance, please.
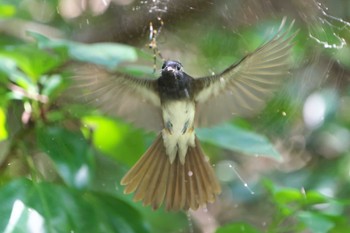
(25, 216)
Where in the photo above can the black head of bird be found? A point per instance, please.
(171, 69)
(174, 83)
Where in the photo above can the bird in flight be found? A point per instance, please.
(174, 170)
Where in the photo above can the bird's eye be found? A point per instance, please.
(163, 66)
(178, 68)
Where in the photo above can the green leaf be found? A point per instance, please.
(315, 222)
(7, 10)
(58, 209)
(51, 84)
(234, 138)
(32, 60)
(106, 54)
(71, 154)
(3, 131)
(237, 228)
(22, 219)
(288, 195)
(9, 67)
(122, 139)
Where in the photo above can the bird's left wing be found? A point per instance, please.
(243, 88)
(134, 99)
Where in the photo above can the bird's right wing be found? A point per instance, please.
(134, 99)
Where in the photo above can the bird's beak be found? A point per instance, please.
(169, 68)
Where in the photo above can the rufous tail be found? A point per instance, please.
(180, 186)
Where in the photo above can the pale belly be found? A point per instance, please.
(178, 133)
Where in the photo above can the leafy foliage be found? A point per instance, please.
(61, 162)
(52, 208)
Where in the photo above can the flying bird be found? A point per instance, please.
(174, 170)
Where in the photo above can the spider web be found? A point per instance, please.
(331, 23)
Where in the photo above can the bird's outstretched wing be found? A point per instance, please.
(243, 88)
(134, 99)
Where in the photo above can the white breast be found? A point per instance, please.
(178, 117)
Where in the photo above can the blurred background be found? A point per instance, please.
(285, 170)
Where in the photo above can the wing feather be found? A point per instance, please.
(134, 99)
(244, 88)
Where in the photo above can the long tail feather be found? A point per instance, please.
(180, 186)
